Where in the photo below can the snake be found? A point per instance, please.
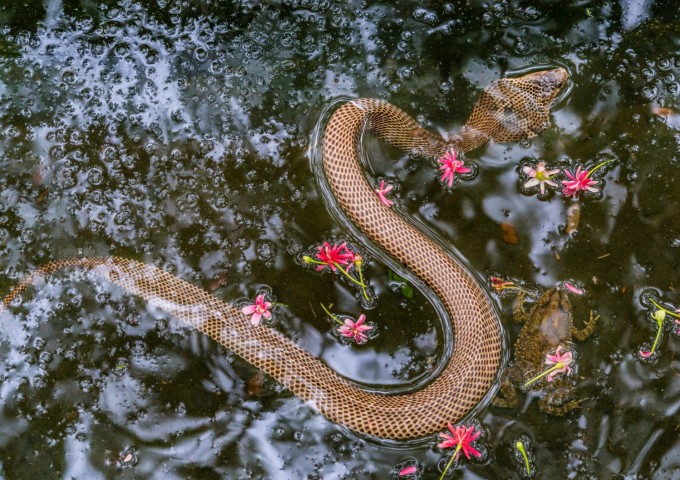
(508, 109)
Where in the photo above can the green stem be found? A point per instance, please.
(308, 259)
(361, 277)
(598, 166)
(673, 314)
(557, 366)
(453, 457)
(346, 274)
(656, 340)
(515, 288)
(333, 317)
(520, 446)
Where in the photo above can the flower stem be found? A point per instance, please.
(557, 366)
(333, 316)
(672, 314)
(453, 457)
(598, 166)
(360, 283)
(520, 446)
(656, 340)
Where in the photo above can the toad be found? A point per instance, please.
(548, 329)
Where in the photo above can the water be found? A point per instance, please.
(178, 133)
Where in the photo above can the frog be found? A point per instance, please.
(549, 325)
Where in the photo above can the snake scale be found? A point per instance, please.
(508, 109)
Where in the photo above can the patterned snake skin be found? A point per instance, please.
(508, 110)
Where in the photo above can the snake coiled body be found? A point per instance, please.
(509, 109)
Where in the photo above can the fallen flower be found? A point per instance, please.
(336, 257)
(261, 308)
(540, 176)
(450, 165)
(407, 469)
(332, 256)
(520, 448)
(560, 364)
(579, 181)
(462, 439)
(573, 289)
(355, 329)
(381, 191)
(500, 285)
(659, 316)
(410, 470)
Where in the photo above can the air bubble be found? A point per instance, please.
(265, 249)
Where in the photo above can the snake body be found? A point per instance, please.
(508, 110)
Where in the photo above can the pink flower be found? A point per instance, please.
(410, 470)
(461, 439)
(580, 181)
(677, 323)
(330, 256)
(258, 310)
(450, 165)
(381, 191)
(561, 361)
(646, 353)
(573, 289)
(540, 176)
(355, 330)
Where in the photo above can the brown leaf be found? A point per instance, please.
(662, 111)
(218, 282)
(255, 386)
(509, 233)
(573, 217)
(38, 176)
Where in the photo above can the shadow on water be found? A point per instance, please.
(179, 133)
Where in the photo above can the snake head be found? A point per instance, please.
(546, 84)
(512, 109)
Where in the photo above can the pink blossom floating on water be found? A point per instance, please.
(450, 165)
(579, 181)
(333, 256)
(382, 191)
(461, 440)
(355, 330)
(540, 176)
(410, 470)
(261, 308)
(573, 289)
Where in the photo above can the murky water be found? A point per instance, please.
(178, 133)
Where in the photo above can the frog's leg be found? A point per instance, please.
(587, 331)
(557, 401)
(507, 394)
(519, 314)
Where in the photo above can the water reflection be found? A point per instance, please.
(177, 133)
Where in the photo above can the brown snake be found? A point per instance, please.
(508, 110)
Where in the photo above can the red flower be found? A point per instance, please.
(450, 165)
(332, 256)
(461, 439)
(579, 181)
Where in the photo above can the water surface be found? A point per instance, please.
(179, 133)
